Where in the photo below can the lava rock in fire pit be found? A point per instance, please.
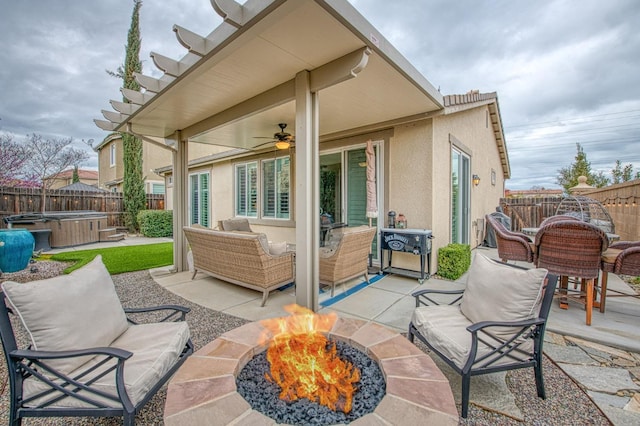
(263, 395)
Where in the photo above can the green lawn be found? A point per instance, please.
(122, 259)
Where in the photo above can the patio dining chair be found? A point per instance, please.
(87, 356)
(622, 257)
(572, 248)
(557, 218)
(496, 323)
(513, 246)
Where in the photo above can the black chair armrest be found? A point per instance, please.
(422, 296)
(501, 347)
(30, 363)
(474, 328)
(29, 354)
(178, 313)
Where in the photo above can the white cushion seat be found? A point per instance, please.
(155, 347)
(445, 327)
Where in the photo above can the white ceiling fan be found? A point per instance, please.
(281, 139)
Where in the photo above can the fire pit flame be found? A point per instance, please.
(305, 364)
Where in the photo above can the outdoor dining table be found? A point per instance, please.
(533, 231)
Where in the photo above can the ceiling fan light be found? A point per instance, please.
(282, 144)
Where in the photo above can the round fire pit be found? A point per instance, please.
(204, 390)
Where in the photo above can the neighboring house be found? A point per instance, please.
(79, 186)
(321, 68)
(64, 178)
(111, 165)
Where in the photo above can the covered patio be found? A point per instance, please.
(317, 65)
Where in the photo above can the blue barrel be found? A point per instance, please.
(16, 249)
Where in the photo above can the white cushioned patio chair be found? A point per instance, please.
(496, 323)
(86, 357)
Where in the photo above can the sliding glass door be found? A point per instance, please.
(460, 181)
(343, 189)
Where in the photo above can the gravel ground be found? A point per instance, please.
(566, 403)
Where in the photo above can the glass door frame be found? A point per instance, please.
(344, 150)
(461, 213)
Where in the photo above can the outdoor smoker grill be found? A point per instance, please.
(414, 241)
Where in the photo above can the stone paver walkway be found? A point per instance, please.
(610, 376)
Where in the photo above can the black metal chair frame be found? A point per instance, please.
(25, 363)
(501, 348)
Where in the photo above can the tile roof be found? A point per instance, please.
(469, 97)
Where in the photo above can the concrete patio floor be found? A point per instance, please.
(388, 301)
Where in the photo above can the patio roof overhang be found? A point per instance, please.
(237, 83)
(316, 65)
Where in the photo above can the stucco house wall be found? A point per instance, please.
(416, 176)
(111, 176)
(471, 132)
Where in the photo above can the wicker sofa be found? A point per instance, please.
(241, 258)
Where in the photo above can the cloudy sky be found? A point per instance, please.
(566, 71)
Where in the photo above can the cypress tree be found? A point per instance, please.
(133, 185)
(76, 176)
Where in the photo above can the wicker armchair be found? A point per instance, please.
(622, 257)
(572, 248)
(349, 258)
(511, 245)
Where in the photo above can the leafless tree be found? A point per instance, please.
(49, 157)
(13, 157)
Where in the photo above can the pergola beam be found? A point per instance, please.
(167, 65)
(136, 97)
(106, 125)
(152, 84)
(124, 107)
(230, 11)
(191, 41)
(114, 117)
(261, 102)
(339, 70)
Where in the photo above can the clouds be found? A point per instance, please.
(564, 71)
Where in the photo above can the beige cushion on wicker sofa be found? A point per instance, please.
(349, 258)
(81, 311)
(241, 258)
(494, 292)
(234, 225)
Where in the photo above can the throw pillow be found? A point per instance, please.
(499, 292)
(276, 249)
(236, 225)
(76, 311)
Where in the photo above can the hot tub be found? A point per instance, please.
(67, 228)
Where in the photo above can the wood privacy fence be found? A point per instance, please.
(622, 201)
(29, 200)
(529, 212)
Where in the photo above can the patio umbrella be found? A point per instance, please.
(372, 202)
